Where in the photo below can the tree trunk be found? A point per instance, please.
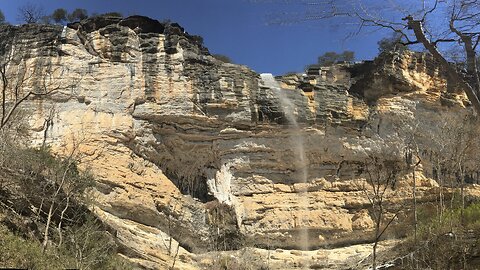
(47, 227)
(462, 192)
(471, 57)
(415, 217)
(440, 184)
(175, 257)
(378, 222)
(441, 203)
(453, 76)
(59, 228)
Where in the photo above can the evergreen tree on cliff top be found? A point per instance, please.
(330, 58)
(59, 15)
(2, 17)
(77, 15)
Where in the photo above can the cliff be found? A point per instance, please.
(182, 144)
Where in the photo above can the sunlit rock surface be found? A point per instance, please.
(168, 130)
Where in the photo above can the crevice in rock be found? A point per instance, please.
(196, 187)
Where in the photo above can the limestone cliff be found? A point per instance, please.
(168, 130)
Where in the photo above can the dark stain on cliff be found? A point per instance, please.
(383, 76)
(20, 43)
(149, 48)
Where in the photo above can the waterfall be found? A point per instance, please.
(298, 144)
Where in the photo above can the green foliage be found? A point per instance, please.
(197, 39)
(36, 179)
(291, 73)
(46, 19)
(59, 15)
(348, 56)
(2, 17)
(471, 215)
(392, 43)
(94, 249)
(222, 58)
(77, 15)
(20, 253)
(244, 259)
(330, 58)
(44, 173)
(454, 234)
(113, 14)
(453, 219)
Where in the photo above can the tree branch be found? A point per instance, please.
(416, 26)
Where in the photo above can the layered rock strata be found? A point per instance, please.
(173, 134)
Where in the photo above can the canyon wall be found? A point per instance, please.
(173, 135)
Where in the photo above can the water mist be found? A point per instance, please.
(297, 142)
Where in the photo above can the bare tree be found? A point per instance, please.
(91, 245)
(30, 13)
(17, 82)
(413, 160)
(432, 24)
(15, 89)
(48, 188)
(452, 155)
(381, 175)
(172, 248)
(461, 153)
(69, 185)
(21, 79)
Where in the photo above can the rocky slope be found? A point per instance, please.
(185, 146)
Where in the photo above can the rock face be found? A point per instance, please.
(173, 135)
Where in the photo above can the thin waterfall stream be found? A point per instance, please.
(298, 144)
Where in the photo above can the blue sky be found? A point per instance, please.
(236, 28)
